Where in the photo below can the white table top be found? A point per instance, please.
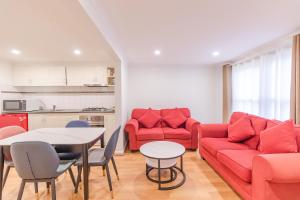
(57, 136)
(162, 150)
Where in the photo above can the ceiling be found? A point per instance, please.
(187, 32)
(50, 31)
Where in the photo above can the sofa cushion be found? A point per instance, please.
(279, 139)
(139, 112)
(178, 133)
(236, 116)
(240, 130)
(150, 118)
(258, 124)
(175, 118)
(150, 134)
(213, 145)
(239, 162)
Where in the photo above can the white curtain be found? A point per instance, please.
(261, 85)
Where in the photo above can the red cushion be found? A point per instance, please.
(279, 139)
(178, 133)
(258, 124)
(236, 116)
(175, 118)
(240, 130)
(239, 162)
(272, 123)
(150, 134)
(213, 145)
(149, 119)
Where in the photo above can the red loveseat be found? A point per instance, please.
(251, 173)
(185, 134)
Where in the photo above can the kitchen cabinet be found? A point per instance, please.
(80, 76)
(57, 120)
(14, 120)
(39, 76)
(50, 120)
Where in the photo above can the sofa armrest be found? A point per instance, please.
(131, 128)
(213, 130)
(192, 126)
(278, 168)
(276, 176)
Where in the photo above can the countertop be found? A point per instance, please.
(47, 111)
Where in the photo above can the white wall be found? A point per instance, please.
(196, 87)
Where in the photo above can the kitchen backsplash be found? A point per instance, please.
(74, 101)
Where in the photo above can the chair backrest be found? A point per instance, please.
(77, 124)
(10, 131)
(34, 160)
(112, 144)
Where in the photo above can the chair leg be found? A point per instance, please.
(53, 189)
(6, 175)
(72, 176)
(78, 178)
(36, 190)
(21, 190)
(48, 187)
(103, 170)
(109, 180)
(115, 167)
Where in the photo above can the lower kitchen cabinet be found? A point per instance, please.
(57, 120)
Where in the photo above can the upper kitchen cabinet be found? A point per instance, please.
(92, 75)
(39, 76)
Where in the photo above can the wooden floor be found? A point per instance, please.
(202, 183)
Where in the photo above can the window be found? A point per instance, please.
(261, 85)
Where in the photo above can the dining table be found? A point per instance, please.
(79, 139)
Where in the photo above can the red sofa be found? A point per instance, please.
(252, 174)
(186, 134)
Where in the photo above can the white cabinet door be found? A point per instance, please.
(50, 120)
(39, 76)
(79, 76)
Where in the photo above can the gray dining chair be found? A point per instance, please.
(101, 157)
(37, 162)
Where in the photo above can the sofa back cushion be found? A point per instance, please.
(236, 116)
(297, 131)
(165, 112)
(139, 112)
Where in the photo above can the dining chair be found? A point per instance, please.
(101, 157)
(37, 162)
(65, 152)
(6, 132)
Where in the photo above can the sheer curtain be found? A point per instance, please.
(261, 85)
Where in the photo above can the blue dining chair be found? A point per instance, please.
(65, 152)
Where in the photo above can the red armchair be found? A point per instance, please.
(251, 173)
(185, 134)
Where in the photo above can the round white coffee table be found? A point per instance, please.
(163, 155)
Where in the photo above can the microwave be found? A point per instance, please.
(22, 105)
(14, 105)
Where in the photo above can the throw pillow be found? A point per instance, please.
(175, 118)
(279, 139)
(240, 130)
(149, 119)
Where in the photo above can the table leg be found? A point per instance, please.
(181, 163)
(102, 141)
(159, 178)
(85, 171)
(1, 170)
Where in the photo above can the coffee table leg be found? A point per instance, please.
(181, 163)
(159, 183)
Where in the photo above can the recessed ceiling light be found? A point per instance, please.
(77, 52)
(216, 53)
(15, 51)
(157, 52)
